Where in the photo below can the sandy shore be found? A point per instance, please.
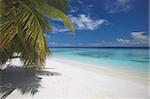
(74, 80)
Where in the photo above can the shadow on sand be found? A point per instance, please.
(19, 78)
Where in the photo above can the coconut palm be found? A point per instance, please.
(23, 27)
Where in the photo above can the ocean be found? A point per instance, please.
(127, 59)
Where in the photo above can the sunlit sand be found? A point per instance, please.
(64, 79)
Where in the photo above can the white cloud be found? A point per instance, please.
(135, 39)
(124, 41)
(58, 44)
(114, 6)
(139, 38)
(84, 22)
(58, 30)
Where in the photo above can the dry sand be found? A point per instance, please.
(65, 79)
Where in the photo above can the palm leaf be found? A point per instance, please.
(23, 25)
(53, 13)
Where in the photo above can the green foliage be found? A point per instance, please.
(23, 26)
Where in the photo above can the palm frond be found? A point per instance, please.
(53, 13)
(22, 28)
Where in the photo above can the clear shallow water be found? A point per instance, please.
(131, 59)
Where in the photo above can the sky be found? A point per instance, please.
(104, 23)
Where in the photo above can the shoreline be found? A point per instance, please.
(129, 75)
(78, 80)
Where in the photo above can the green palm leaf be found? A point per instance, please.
(23, 25)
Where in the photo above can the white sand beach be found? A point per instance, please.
(75, 80)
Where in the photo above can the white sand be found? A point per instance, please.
(76, 81)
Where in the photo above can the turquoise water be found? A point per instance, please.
(133, 59)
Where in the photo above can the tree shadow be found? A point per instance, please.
(18, 78)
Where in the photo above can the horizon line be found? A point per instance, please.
(97, 47)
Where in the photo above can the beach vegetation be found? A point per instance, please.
(23, 27)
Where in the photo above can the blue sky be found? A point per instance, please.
(104, 23)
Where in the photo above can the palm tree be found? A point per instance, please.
(23, 26)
